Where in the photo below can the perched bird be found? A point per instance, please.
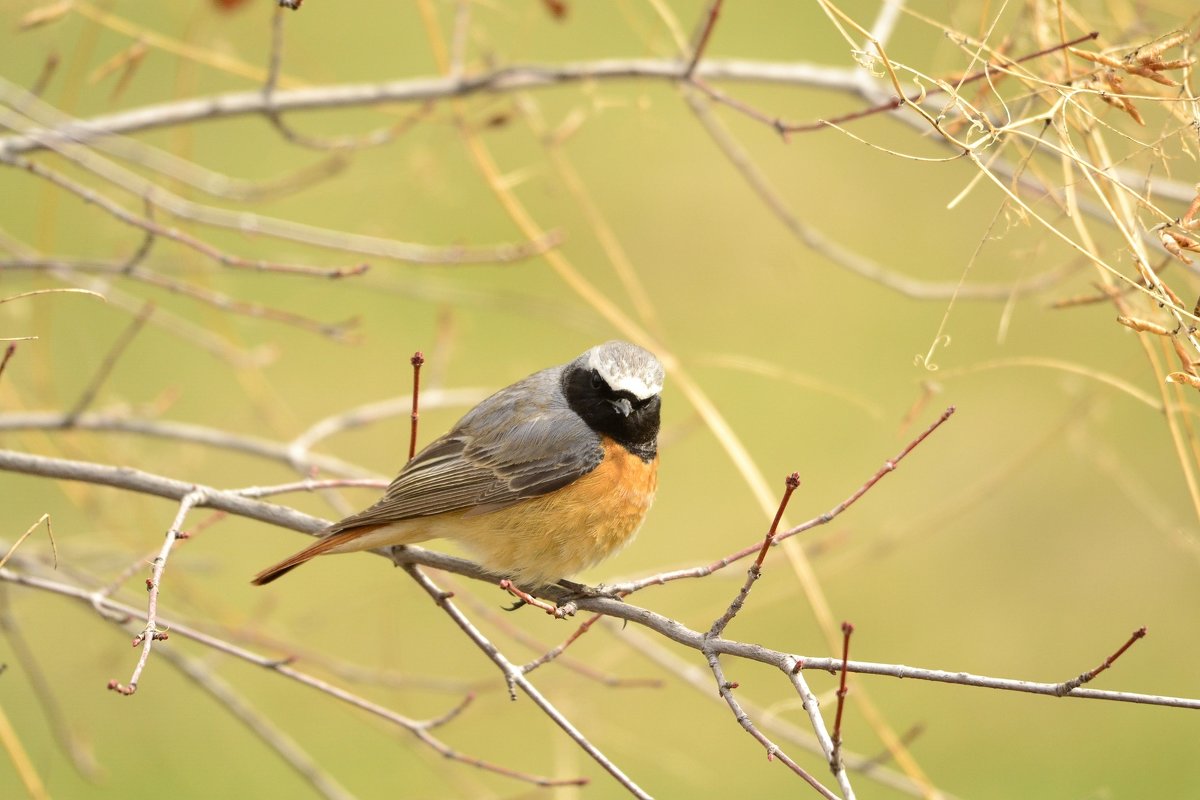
(538, 482)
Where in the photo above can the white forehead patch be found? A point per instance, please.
(626, 367)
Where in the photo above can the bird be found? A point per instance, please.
(538, 482)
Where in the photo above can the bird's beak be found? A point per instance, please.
(623, 406)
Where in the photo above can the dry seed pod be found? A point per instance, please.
(44, 15)
(1183, 377)
(1143, 326)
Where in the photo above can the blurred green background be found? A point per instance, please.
(1026, 539)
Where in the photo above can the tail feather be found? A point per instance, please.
(328, 544)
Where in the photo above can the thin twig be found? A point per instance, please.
(1068, 686)
(516, 679)
(418, 359)
(555, 652)
(752, 574)
(368, 413)
(29, 532)
(501, 621)
(79, 752)
(701, 680)
(824, 519)
(119, 421)
(119, 613)
(419, 90)
(836, 758)
(243, 222)
(131, 270)
(152, 633)
(459, 37)
(375, 138)
(8, 353)
(895, 103)
(35, 787)
(812, 238)
(706, 29)
(147, 225)
(725, 688)
(106, 365)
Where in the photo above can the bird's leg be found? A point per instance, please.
(525, 598)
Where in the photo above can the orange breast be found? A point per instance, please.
(562, 533)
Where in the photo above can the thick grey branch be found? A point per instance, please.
(505, 79)
(146, 483)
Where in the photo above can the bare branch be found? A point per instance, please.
(419, 90)
(281, 516)
(516, 679)
(152, 633)
(116, 612)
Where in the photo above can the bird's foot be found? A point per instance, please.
(568, 604)
(524, 598)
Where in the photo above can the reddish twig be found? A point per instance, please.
(710, 22)
(555, 652)
(8, 353)
(836, 758)
(418, 359)
(888, 466)
(790, 485)
(812, 706)
(823, 519)
(752, 574)
(786, 128)
(1067, 686)
(724, 687)
(896, 102)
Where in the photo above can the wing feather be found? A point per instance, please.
(508, 448)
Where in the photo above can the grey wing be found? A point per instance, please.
(521, 442)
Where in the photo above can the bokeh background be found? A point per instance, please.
(1047, 520)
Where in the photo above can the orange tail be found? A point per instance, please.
(324, 545)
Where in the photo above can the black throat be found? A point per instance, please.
(598, 405)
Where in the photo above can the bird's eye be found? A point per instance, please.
(597, 381)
